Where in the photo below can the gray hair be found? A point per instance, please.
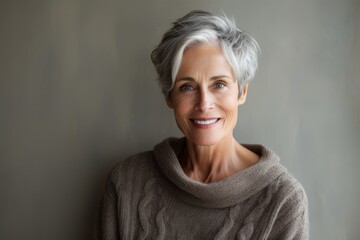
(239, 49)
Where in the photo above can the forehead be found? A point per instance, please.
(205, 59)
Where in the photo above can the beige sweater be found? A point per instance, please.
(148, 196)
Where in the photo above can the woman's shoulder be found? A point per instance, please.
(132, 166)
(290, 189)
(144, 164)
(278, 175)
(279, 181)
(291, 192)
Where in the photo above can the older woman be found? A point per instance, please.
(205, 185)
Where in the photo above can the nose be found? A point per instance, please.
(204, 101)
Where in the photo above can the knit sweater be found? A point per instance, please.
(148, 196)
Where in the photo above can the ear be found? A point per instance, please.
(242, 97)
(169, 101)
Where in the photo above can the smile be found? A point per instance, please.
(205, 122)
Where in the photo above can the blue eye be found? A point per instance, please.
(186, 87)
(219, 85)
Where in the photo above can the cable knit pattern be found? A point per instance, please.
(229, 223)
(161, 219)
(148, 196)
(144, 210)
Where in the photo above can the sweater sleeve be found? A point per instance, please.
(107, 222)
(293, 220)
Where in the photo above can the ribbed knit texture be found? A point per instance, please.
(148, 196)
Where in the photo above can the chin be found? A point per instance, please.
(204, 140)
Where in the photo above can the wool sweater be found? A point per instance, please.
(148, 196)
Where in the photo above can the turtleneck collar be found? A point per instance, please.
(225, 193)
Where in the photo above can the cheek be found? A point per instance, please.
(181, 112)
(230, 105)
(182, 105)
(229, 99)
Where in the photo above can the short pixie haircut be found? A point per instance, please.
(239, 49)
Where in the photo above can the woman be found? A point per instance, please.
(205, 185)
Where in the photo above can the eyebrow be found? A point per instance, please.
(212, 78)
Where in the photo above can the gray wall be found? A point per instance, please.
(77, 94)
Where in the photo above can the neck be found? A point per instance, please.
(216, 162)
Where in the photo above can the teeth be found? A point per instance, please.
(206, 122)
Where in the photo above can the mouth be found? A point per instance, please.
(205, 122)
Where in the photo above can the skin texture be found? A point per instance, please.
(206, 90)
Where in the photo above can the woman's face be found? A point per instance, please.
(205, 96)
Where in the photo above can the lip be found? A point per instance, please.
(205, 122)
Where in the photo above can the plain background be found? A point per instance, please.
(78, 94)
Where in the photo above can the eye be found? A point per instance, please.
(186, 87)
(219, 85)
